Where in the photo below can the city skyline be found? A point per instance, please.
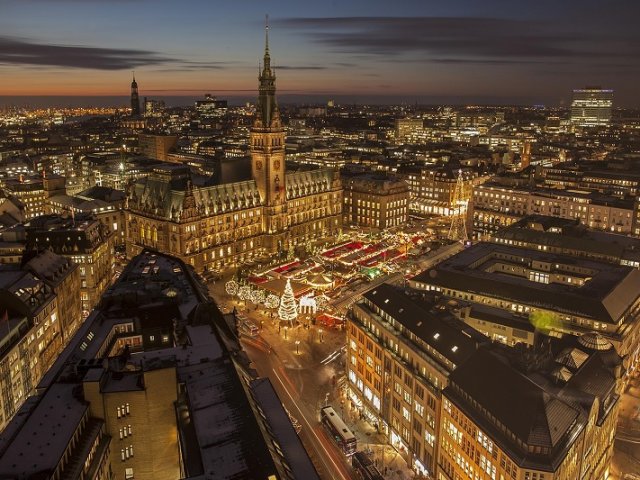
(460, 53)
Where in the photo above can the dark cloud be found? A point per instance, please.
(21, 52)
(496, 62)
(300, 67)
(192, 66)
(316, 67)
(465, 38)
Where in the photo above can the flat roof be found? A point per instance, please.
(451, 338)
(605, 296)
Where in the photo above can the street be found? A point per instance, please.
(626, 454)
(303, 382)
(306, 367)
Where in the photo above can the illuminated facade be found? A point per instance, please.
(496, 206)
(38, 318)
(502, 420)
(30, 191)
(400, 354)
(212, 223)
(433, 188)
(410, 130)
(375, 201)
(84, 240)
(591, 106)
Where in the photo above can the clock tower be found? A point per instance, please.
(267, 155)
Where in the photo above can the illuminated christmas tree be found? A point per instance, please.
(288, 310)
(272, 301)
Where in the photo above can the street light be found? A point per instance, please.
(297, 345)
(320, 334)
(285, 331)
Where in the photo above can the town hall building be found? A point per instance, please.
(222, 221)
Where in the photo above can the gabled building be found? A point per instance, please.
(267, 208)
(546, 414)
(85, 241)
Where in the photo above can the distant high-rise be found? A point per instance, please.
(591, 106)
(135, 100)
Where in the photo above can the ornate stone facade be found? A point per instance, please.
(212, 225)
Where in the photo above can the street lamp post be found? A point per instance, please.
(297, 347)
(320, 334)
(285, 331)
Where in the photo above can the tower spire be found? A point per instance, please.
(267, 57)
(135, 101)
(266, 33)
(267, 107)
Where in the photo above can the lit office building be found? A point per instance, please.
(591, 106)
(400, 353)
(39, 313)
(557, 294)
(539, 414)
(84, 240)
(409, 130)
(433, 188)
(376, 201)
(496, 205)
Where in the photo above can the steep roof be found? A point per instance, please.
(536, 416)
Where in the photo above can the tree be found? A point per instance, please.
(258, 296)
(288, 310)
(244, 293)
(231, 287)
(272, 301)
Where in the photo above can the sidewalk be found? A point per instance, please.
(386, 458)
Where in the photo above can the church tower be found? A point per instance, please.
(135, 101)
(267, 153)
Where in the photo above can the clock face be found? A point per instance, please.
(259, 164)
(276, 164)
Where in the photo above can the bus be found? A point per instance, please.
(249, 328)
(341, 434)
(364, 467)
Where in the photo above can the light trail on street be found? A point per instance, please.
(337, 466)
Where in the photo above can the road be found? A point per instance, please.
(345, 300)
(303, 383)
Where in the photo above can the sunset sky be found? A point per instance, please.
(492, 51)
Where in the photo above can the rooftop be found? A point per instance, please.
(42, 441)
(551, 407)
(225, 436)
(450, 337)
(565, 234)
(605, 295)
